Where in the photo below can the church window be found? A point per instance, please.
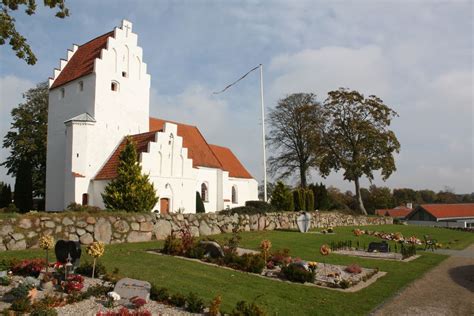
(63, 93)
(204, 192)
(85, 199)
(234, 195)
(81, 86)
(124, 74)
(114, 86)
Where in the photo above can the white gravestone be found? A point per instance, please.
(129, 288)
(304, 222)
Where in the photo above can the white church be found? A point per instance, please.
(98, 97)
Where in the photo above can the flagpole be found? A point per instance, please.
(263, 137)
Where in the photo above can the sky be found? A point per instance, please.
(417, 56)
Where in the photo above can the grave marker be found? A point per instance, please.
(128, 288)
(304, 222)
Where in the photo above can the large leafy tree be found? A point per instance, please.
(26, 139)
(8, 32)
(357, 138)
(131, 190)
(294, 136)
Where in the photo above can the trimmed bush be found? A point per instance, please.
(194, 304)
(296, 273)
(261, 205)
(282, 198)
(299, 200)
(177, 300)
(243, 308)
(199, 204)
(309, 195)
(159, 294)
(241, 210)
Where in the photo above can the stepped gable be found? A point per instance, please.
(82, 62)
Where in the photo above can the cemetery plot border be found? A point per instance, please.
(376, 255)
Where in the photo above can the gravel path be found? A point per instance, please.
(446, 290)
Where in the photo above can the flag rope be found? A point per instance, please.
(233, 83)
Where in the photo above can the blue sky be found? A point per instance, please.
(415, 55)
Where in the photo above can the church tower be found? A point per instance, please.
(99, 94)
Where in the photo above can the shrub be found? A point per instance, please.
(241, 210)
(251, 263)
(199, 204)
(85, 269)
(43, 311)
(282, 199)
(21, 305)
(173, 245)
(19, 292)
(97, 291)
(197, 251)
(281, 257)
(159, 294)
(296, 273)
(354, 268)
(309, 196)
(187, 239)
(4, 281)
(177, 300)
(263, 206)
(29, 267)
(247, 309)
(215, 307)
(75, 207)
(194, 304)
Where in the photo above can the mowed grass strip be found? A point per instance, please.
(278, 298)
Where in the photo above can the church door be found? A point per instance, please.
(164, 206)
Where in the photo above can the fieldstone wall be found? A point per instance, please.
(23, 232)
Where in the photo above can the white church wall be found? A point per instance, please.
(210, 177)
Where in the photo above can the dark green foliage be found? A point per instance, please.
(26, 141)
(299, 200)
(407, 250)
(309, 196)
(19, 292)
(4, 281)
(8, 32)
(321, 198)
(296, 273)
(263, 206)
(241, 210)
(173, 245)
(159, 294)
(253, 263)
(130, 190)
(243, 308)
(24, 187)
(178, 300)
(43, 311)
(22, 305)
(196, 251)
(5, 194)
(194, 304)
(282, 198)
(75, 207)
(86, 269)
(200, 208)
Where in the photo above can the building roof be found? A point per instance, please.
(399, 211)
(82, 62)
(84, 117)
(230, 162)
(441, 211)
(202, 154)
(109, 170)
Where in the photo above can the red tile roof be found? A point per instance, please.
(109, 170)
(449, 210)
(82, 62)
(202, 154)
(400, 211)
(230, 162)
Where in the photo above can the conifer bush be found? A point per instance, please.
(282, 198)
(199, 204)
(309, 196)
(130, 190)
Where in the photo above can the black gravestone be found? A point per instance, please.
(212, 249)
(68, 248)
(379, 247)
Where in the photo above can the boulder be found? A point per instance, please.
(212, 249)
(16, 245)
(18, 236)
(90, 220)
(162, 229)
(121, 226)
(80, 231)
(103, 231)
(86, 239)
(81, 224)
(136, 236)
(49, 224)
(146, 226)
(135, 226)
(67, 221)
(25, 223)
(204, 229)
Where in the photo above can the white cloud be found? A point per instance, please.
(11, 90)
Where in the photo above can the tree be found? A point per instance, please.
(403, 196)
(27, 137)
(356, 138)
(282, 198)
(130, 190)
(8, 31)
(24, 187)
(321, 199)
(427, 196)
(379, 198)
(309, 204)
(270, 188)
(299, 200)
(294, 135)
(5, 194)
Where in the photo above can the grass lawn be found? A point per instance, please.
(278, 298)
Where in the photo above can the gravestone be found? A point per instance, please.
(212, 249)
(68, 248)
(304, 222)
(379, 247)
(130, 288)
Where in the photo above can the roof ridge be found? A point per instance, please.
(108, 35)
(212, 151)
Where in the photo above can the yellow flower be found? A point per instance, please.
(96, 249)
(46, 242)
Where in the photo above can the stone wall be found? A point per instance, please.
(23, 232)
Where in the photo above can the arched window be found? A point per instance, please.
(85, 199)
(81, 86)
(234, 195)
(204, 192)
(114, 86)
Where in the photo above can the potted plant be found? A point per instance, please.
(48, 281)
(95, 250)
